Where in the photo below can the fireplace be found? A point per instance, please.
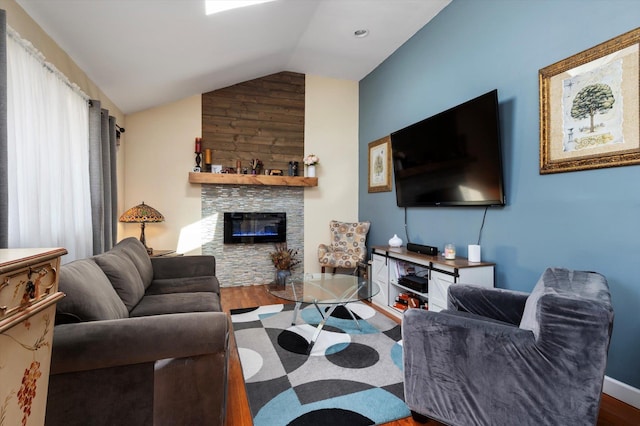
(254, 227)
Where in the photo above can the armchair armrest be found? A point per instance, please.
(323, 249)
(500, 304)
(183, 266)
(448, 355)
(101, 344)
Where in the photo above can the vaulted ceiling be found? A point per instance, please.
(144, 53)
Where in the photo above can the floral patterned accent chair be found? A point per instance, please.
(348, 245)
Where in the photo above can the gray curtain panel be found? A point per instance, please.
(102, 177)
(4, 190)
(113, 179)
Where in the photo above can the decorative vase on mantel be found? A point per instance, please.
(311, 170)
(281, 276)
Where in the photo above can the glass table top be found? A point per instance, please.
(327, 288)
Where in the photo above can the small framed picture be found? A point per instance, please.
(216, 168)
(380, 165)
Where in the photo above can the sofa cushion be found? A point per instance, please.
(123, 275)
(89, 294)
(137, 253)
(183, 266)
(175, 303)
(184, 285)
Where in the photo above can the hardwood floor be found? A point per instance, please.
(612, 411)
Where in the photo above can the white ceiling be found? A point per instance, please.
(144, 53)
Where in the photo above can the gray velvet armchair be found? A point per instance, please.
(500, 357)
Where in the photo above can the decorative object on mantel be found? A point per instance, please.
(142, 214)
(395, 241)
(207, 160)
(256, 166)
(311, 171)
(293, 168)
(310, 161)
(284, 259)
(198, 151)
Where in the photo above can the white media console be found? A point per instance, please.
(390, 264)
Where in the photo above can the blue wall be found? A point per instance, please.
(586, 220)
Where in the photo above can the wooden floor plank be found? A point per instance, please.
(612, 411)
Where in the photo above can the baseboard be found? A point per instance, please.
(621, 391)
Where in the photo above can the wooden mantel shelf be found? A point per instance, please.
(265, 180)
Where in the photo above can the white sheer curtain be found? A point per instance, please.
(48, 155)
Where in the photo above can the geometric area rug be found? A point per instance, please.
(352, 376)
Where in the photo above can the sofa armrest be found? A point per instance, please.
(496, 303)
(183, 266)
(102, 344)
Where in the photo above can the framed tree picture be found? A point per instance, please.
(590, 106)
(380, 165)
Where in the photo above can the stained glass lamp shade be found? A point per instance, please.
(142, 214)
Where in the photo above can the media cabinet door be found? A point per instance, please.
(438, 287)
(439, 284)
(380, 275)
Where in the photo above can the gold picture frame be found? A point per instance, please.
(590, 107)
(380, 165)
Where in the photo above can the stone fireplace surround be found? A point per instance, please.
(248, 264)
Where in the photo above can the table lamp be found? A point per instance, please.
(142, 214)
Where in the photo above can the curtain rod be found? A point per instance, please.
(31, 49)
(119, 129)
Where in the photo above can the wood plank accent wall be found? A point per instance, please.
(261, 118)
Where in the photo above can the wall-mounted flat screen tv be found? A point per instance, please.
(452, 158)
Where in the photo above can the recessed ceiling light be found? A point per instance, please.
(361, 33)
(217, 6)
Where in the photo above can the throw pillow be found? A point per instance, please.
(89, 295)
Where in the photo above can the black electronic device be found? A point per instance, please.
(415, 283)
(452, 158)
(419, 248)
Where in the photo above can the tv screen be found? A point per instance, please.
(452, 158)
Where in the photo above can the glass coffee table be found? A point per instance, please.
(330, 290)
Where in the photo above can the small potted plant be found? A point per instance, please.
(284, 259)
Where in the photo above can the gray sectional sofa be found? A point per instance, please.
(139, 341)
